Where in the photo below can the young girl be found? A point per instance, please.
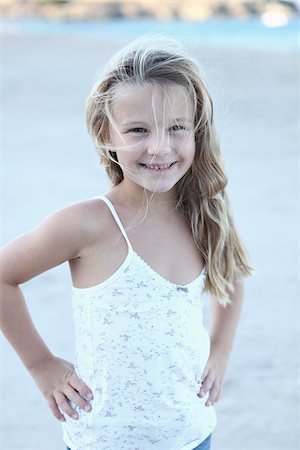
(146, 372)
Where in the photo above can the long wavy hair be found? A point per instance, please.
(201, 191)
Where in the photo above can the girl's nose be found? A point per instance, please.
(159, 145)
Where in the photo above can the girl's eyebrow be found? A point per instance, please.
(182, 119)
(135, 122)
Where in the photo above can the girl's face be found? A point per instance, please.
(153, 135)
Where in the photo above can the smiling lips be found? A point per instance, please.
(158, 167)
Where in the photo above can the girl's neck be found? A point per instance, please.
(135, 197)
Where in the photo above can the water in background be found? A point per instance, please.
(234, 33)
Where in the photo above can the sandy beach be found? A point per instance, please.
(49, 163)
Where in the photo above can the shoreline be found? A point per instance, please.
(215, 33)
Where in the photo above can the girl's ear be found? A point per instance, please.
(106, 134)
(106, 137)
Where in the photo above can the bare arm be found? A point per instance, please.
(225, 320)
(223, 329)
(58, 239)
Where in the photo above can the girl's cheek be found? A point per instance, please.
(131, 146)
(185, 143)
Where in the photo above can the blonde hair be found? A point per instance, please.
(201, 191)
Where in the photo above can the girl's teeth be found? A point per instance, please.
(158, 167)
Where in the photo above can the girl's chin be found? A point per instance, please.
(153, 184)
(159, 188)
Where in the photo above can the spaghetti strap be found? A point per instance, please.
(116, 217)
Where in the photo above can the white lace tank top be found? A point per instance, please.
(141, 346)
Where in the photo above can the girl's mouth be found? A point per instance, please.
(158, 168)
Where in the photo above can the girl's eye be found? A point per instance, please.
(138, 130)
(177, 128)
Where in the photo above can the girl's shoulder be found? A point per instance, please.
(87, 216)
(74, 228)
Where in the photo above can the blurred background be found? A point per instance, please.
(51, 52)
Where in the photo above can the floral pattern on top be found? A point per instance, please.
(141, 346)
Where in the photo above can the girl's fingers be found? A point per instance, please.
(54, 408)
(77, 399)
(80, 386)
(204, 375)
(206, 386)
(213, 395)
(65, 406)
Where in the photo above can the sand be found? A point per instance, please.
(49, 163)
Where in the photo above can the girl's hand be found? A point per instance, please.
(212, 377)
(59, 383)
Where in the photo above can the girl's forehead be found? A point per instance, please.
(151, 97)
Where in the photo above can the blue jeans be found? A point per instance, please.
(205, 445)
